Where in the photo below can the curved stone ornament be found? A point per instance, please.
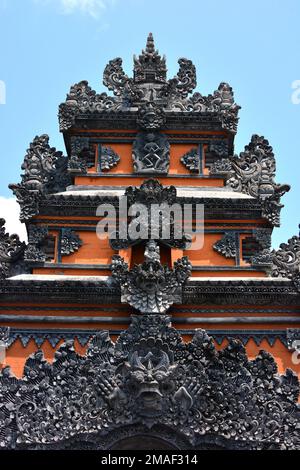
(70, 242)
(150, 378)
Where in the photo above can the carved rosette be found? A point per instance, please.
(150, 377)
(191, 160)
(151, 287)
(227, 246)
(70, 242)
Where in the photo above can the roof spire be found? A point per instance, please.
(150, 47)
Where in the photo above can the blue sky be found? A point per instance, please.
(47, 45)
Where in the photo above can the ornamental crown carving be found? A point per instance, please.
(148, 88)
(286, 261)
(150, 378)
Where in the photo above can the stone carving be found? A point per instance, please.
(151, 116)
(151, 287)
(45, 171)
(183, 84)
(253, 173)
(11, 253)
(163, 229)
(191, 160)
(69, 242)
(150, 66)
(4, 335)
(36, 236)
(286, 261)
(263, 257)
(80, 155)
(151, 153)
(219, 148)
(293, 339)
(151, 192)
(150, 377)
(83, 100)
(150, 92)
(227, 246)
(108, 158)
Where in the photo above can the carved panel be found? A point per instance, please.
(151, 153)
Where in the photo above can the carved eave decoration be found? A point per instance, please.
(45, 172)
(217, 395)
(149, 96)
(253, 173)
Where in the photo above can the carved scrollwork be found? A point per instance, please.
(150, 377)
(151, 287)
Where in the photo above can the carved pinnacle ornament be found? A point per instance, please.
(253, 173)
(45, 172)
(150, 378)
(148, 88)
(151, 287)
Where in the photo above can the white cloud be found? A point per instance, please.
(10, 211)
(93, 8)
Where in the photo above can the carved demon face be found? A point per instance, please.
(150, 379)
(150, 277)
